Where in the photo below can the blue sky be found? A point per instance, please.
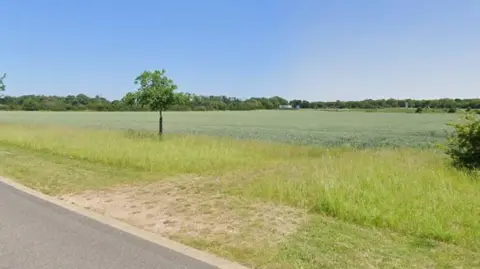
(315, 50)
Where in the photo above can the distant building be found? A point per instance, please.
(285, 107)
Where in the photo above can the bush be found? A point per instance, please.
(451, 110)
(419, 110)
(464, 143)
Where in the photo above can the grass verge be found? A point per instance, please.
(322, 242)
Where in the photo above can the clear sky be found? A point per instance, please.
(315, 50)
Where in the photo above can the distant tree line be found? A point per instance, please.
(195, 102)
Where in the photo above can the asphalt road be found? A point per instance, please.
(35, 234)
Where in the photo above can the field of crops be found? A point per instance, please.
(358, 129)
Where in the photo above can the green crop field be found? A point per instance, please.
(357, 129)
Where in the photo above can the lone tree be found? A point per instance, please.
(156, 91)
(2, 86)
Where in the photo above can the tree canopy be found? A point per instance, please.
(2, 85)
(156, 91)
(194, 102)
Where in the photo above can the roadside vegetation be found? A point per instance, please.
(265, 204)
(464, 143)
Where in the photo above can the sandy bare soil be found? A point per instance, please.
(175, 208)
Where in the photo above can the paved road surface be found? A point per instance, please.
(35, 234)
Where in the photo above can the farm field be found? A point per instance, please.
(309, 127)
(351, 190)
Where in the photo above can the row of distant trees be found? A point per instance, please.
(195, 102)
(156, 90)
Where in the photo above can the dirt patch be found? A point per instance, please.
(182, 208)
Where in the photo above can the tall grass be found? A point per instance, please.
(170, 155)
(410, 191)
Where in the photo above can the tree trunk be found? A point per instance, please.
(160, 124)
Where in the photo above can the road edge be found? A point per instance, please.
(202, 256)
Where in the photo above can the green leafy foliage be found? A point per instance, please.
(2, 85)
(157, 91)
(451, 110)
(195, 102)
(464, 143)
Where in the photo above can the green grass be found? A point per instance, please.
(329, 243)
(409, 191)
(180, 154)
(309, 127)
(332, 244)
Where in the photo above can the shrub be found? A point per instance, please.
(464, 143)
(419, 110)
(451, 110)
